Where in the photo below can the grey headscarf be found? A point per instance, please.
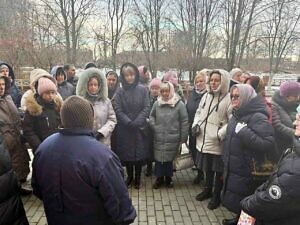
(246, 93)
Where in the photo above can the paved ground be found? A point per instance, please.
(156, 207)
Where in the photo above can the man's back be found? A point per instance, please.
(80, 181)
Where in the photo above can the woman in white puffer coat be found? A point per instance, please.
(209, 127)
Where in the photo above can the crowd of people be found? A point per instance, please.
(84, 128)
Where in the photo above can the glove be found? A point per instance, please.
(196, 130)
(98, 135)
(240, 126)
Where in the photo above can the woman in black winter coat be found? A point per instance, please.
(131, 104)
(192, 104)
(276, 202)
(11, 206)
(42, 117)
(249, 137)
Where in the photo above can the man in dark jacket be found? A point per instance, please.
(87, 185)
(71, 74)
(11, 206)
(14, 91)
(276, 202)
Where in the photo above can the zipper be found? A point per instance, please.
(47, 119)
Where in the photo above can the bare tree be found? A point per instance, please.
(237, 22)
(148, 27)
(70, 17)
(197, 20)
(280, 30)
(117, 12)
(111, 30)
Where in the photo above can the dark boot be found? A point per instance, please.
(206, 193)
(216, 200)
(129, 179)
(232, 221)
(169, 182)
(137, 179)
(198, 178)
(158, 183)
(149, 169)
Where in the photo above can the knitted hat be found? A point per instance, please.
(155, 82)
(45, 84)
(289, 88)
(171, 76)
(76, 112)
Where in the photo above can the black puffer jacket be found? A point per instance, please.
(252, 142)
(276, 202)
(11, 206)
(41, 119)
(283, 116)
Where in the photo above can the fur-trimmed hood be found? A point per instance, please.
(84, 78)
(36, 109)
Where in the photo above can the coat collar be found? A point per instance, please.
(35, 108)
(76, 132)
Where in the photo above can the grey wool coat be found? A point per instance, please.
(104, 115)
(170, 125)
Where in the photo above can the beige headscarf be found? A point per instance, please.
(173, 97)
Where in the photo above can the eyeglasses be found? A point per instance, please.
(235, 97)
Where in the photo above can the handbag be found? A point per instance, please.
(183, 161)
(262, 170)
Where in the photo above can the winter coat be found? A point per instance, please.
(153, 99)
(11, 207)
(170, 126)
(276, 202)
(65, 89)
(283, 116)
(13, 91)
(87, 185)
(35, 75)
(218, 106)
(193, 104)
(73, 80)
(252, 142)
(104, 114)
(131, 104)
(10, 127)
(232, 82)
(41, 119)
